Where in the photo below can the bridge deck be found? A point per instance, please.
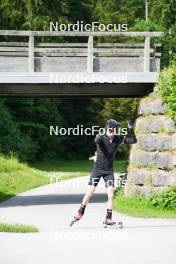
(90, 69)
(73, 84)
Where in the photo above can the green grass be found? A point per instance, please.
(17, 228)
(139, 206)
(73, 168)
(16, 177)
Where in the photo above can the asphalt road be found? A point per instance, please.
(51, 207)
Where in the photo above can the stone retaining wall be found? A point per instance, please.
(152, 165)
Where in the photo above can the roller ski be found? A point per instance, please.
(109, 223)
(78, 216)
(75, 219)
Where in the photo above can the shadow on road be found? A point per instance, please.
(4, 196)
(51, 199)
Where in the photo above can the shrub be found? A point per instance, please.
(167, 88)
(143, 25)
(167, 199)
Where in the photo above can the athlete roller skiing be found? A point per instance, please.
(103, 166)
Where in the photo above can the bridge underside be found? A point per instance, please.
(75, 90)
(70, 85)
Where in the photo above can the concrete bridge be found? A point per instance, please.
(34, 66)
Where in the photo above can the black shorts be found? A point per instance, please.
(108, 177)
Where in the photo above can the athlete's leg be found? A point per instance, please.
(93, 181)
(86, 199)
(109, 183)
(110, 193)
(88, 194)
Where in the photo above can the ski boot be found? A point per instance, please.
(108, 220)
(78, 216)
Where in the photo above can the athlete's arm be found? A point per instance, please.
(98, 139)
(130, 138)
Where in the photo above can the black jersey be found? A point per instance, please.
(106, 150)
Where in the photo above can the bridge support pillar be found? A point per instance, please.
(152, 165)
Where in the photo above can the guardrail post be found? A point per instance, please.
(31, 53)
(90, 54)
(147, 54)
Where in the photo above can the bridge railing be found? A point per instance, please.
(88, 50)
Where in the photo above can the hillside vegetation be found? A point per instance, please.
(16, 177)
(167, 89)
